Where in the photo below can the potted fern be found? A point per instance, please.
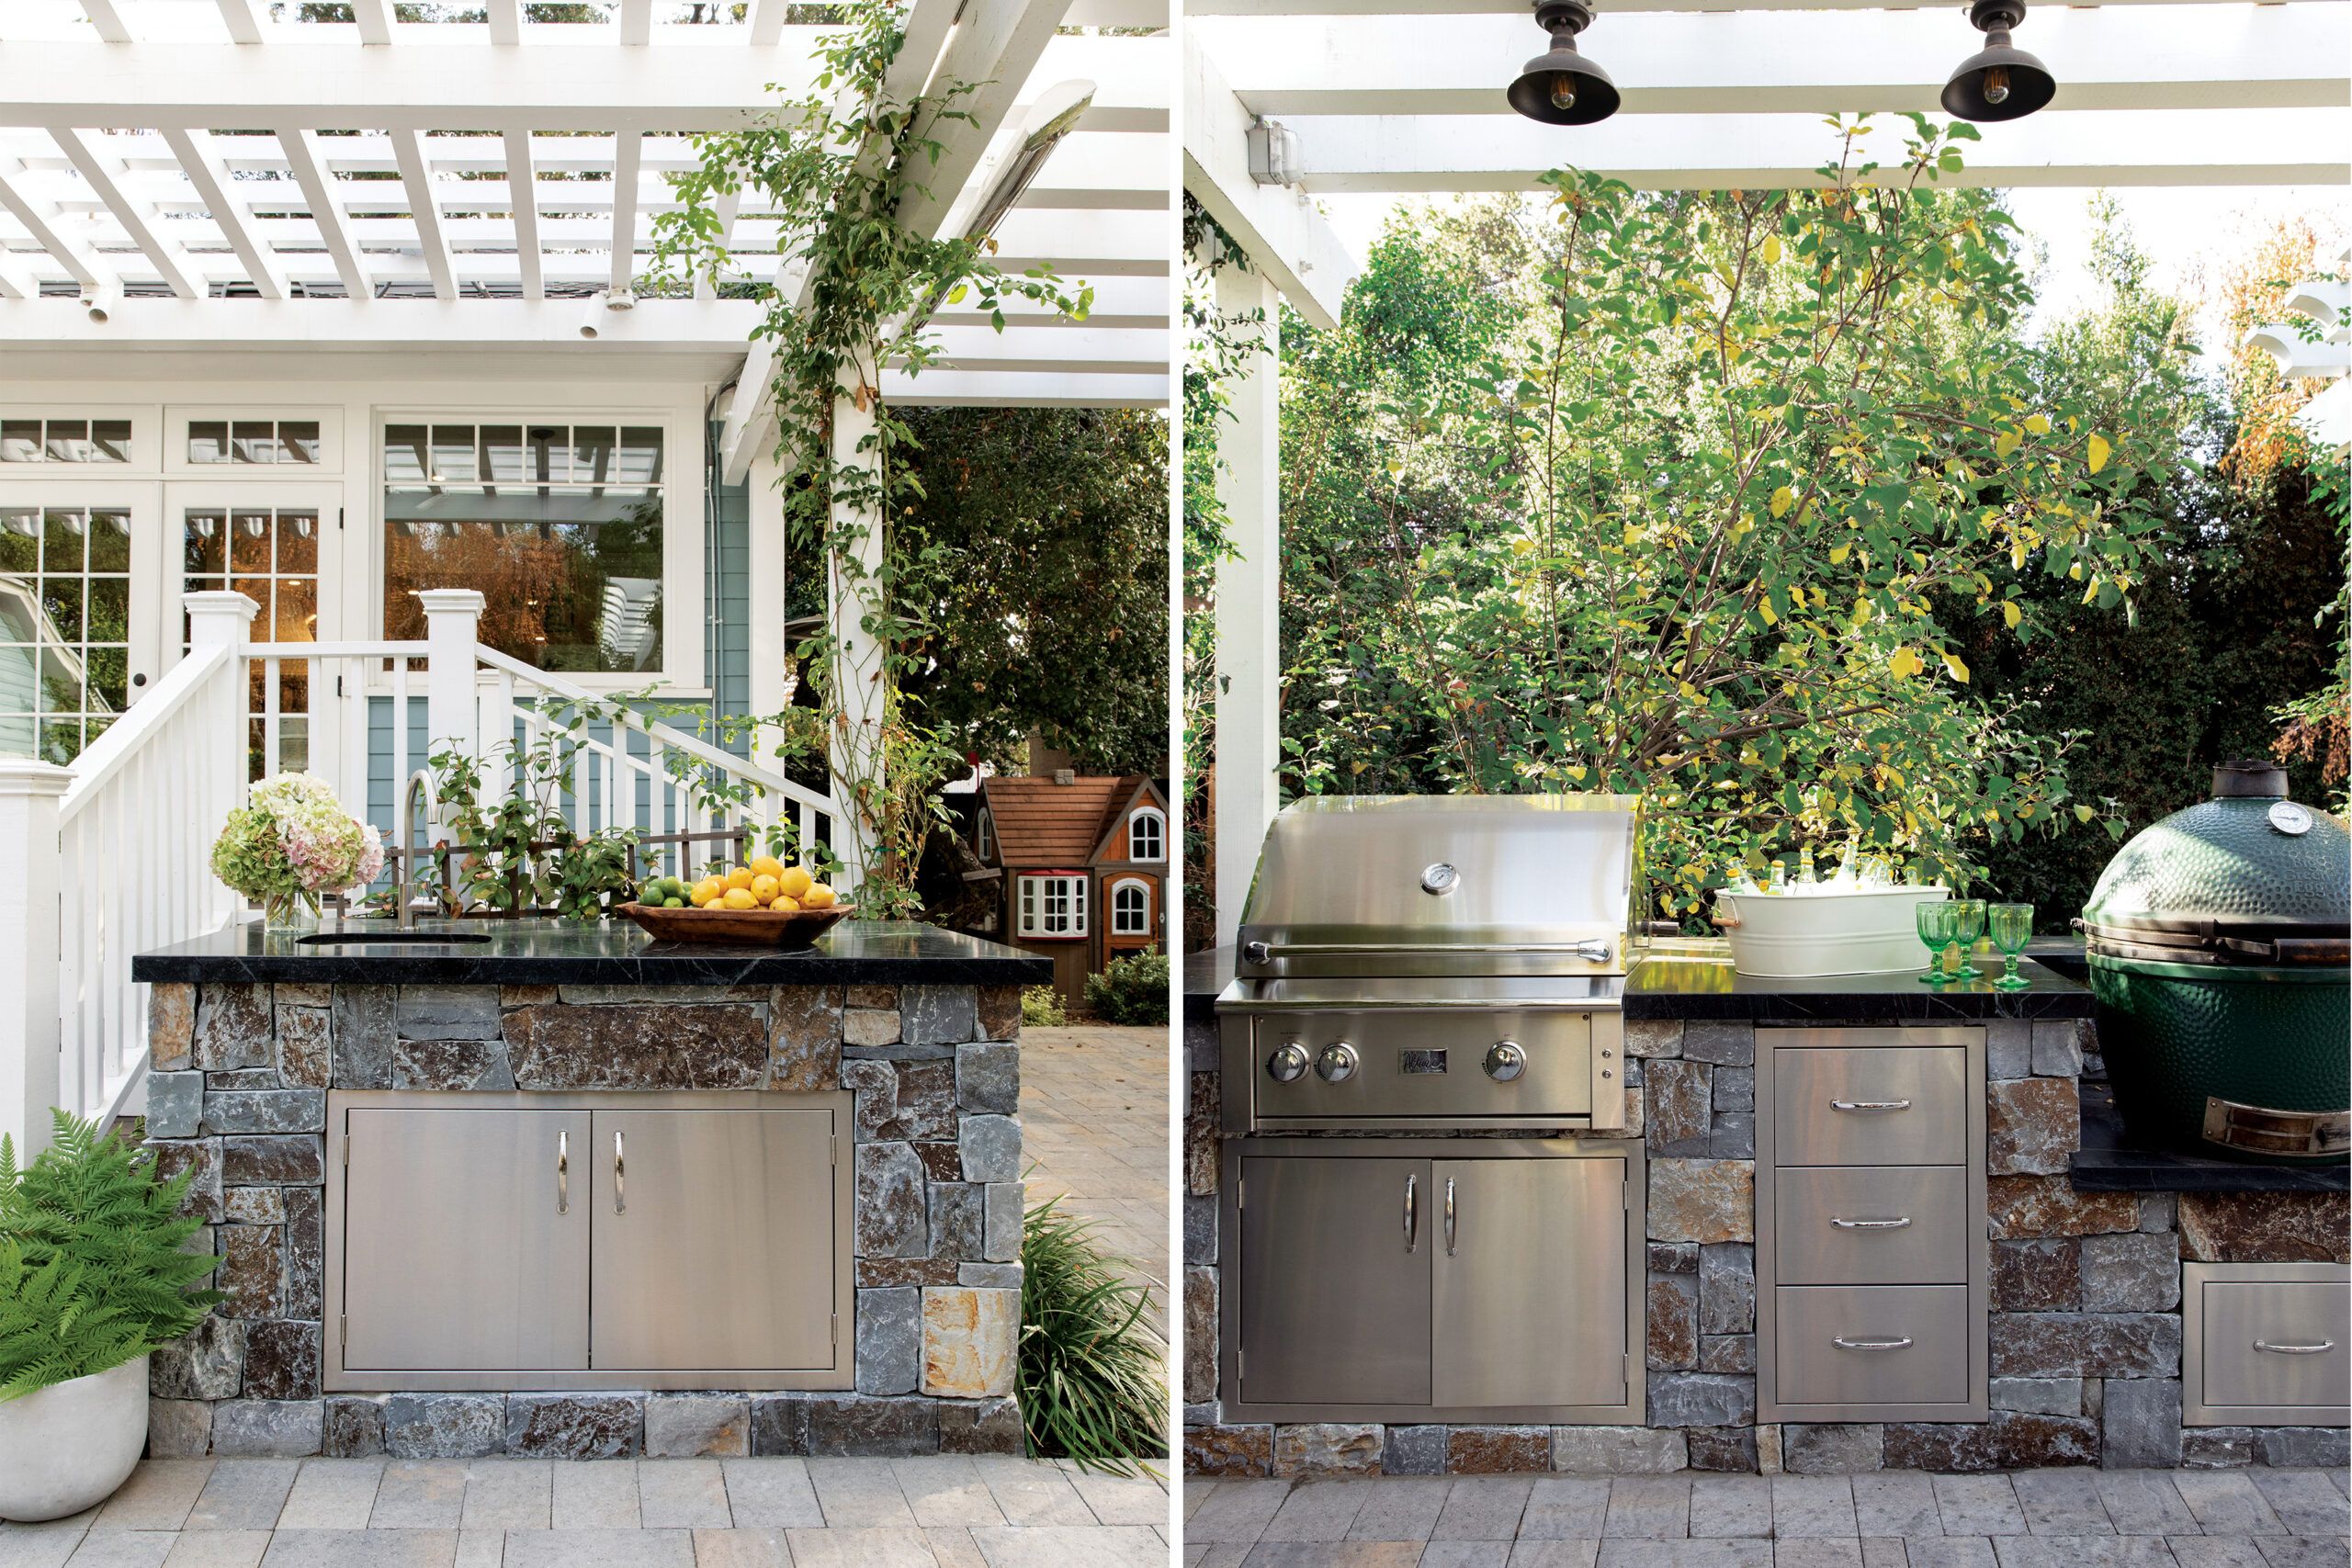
(92, 1280)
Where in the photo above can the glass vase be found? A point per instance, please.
(293, 914)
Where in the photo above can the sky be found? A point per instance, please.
(2178, 228)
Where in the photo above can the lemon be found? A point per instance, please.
(764, 888)
(796, 882)
(819, 896)
(783, 905)
(707, 889)
(739, 898)
(767, 865)
(740, 877)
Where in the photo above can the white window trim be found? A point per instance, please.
(145, 442)
(1029, 915)
(988, 834)
(178, 416)
(1111, 896)
(1159, 818)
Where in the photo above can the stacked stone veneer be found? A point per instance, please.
(237, 1095)
(2086, 1328)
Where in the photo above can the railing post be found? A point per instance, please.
(452, 712)
(29, 951)
(215, 617)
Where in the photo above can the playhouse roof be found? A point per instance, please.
(1041, 823)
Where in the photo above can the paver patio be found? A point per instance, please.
(2045, 1519)
(1094, 1123)
(934, 1512)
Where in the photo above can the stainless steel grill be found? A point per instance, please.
(1433, 963)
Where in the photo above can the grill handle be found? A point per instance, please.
(1900, 1222)
(1448, 1216)
(1412, 1215)
(1594, 949)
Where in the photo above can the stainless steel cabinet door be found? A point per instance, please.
(714, 1246)
(466, 1240)
(1530, 1282)
(1335, 1280)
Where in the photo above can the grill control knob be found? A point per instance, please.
(1337, 1063)
(1506, 1059)
(1287, 1065)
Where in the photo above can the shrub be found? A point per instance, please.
(1041, 1008)
(92, 1274)
(1091, 1380)
(1132, 989)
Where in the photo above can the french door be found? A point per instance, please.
(81, 609)
(276, 544)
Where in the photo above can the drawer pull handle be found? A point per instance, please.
(1845, 1344)
(1896, 1224)
(2321, 1348)
(1870, 1105)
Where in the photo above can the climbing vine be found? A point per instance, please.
(835, 168)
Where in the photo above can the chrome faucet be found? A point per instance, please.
(405, 898)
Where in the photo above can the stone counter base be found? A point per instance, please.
(237, 1094)
(2085, 1322)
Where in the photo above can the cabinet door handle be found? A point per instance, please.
(563, 1173)
(1870, 1105)
(2321, 1348)
(620, 1175)
(1412, 1215)
(1896, 1224)
(1845, 1344)
(1448, 1216)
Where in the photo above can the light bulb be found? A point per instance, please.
(1564, 90)
(1996, 85)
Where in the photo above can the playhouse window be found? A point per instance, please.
(1146, 835)
(1053, 906)
(987, 836)
(1130, 908)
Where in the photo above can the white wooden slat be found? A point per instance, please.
(206, 171)
(623, 233)
(242, 20)
(636, 21)
(424, 211)
(506, 21)
(301, 149)
(729, 204)
(375, 19)
(107, 21)
(522, 184)
(767, 20)
(40, 219)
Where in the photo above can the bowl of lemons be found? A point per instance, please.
(762, 902)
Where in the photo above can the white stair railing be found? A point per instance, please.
(116, 863)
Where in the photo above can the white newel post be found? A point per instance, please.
(452, 715)
(216, 617)
(858, 666)
(29, 1037)
(1249, 600)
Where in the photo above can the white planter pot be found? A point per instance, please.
(67, 1447)
(1788, 936)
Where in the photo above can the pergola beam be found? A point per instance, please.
(994, 50)
(245, 23)
(523, 175)
(135, 217)
(1488, 153)
(214, 184)
(375, 19)
(624, 234)
(424, 211)
(40, 219)
(506, 21)
(2202, 57)
(105, 20)
(301, 148)
(1286, 240)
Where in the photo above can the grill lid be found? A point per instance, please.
(2246, 877)
(1366, 885)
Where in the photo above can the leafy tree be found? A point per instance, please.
(1716, 525)
(1051, 607)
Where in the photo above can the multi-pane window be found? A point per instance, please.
(557, 526)
(1130, 908)
(64, 626)
(270, 554)
(1146, 835)
(987, 836)
(246, 442)
(64, 441)
(1053, 906)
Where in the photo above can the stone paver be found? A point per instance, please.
(2045, 1518)
(1095, 1126)
(945, 1512)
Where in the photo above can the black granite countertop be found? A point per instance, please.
(1695, 980)
(569, 952)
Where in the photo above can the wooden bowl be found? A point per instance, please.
(738, 928)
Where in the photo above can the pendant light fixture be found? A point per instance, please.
(2001, 80)
(1560, 86)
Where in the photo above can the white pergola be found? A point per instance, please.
(194, 177)
(1407, 96)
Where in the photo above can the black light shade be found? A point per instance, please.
(2000, 81)
(1560, 86)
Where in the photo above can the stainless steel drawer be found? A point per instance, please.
(1878, 1345)
(1870, 1225)
(1870, 1105)
(2266, 1343)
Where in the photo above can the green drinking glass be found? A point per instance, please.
(2012, 928)
(1967, 925)
(1933, 921)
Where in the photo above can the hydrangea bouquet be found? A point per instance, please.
(292, 841)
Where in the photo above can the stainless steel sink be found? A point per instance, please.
(337, 939)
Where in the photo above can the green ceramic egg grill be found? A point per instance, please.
(2219, 942)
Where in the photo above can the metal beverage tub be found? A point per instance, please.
(1827, 930)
